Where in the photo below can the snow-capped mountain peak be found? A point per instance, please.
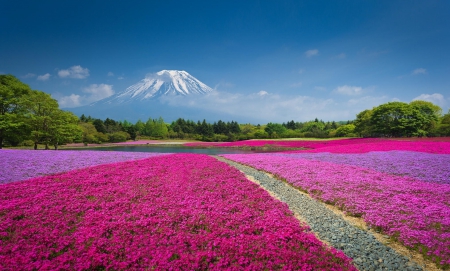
(165, 82)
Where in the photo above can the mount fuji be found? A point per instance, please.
(149, 98)
(165, 82)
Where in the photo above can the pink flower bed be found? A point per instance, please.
(356, 145)
(420, 165)
(415, 212)
(173, 212)
(19, 165)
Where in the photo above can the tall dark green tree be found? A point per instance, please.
(99, 126)
(13, 94)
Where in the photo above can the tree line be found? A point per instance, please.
(31, 117)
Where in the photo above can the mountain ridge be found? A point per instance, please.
(162, 83)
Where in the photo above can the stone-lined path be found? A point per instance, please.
(367, 252)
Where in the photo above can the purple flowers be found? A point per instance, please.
(19, 165)
(181, 211)
(415, 212)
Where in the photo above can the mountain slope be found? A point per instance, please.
(165, 82)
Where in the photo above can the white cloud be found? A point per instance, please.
(120, 77)
(301, 71)
(348, 90)
(262, 93)
(419, 71)
(73, 100)
(94, 93)
(266, 107)
(98, 92)
(76, 72)
(311, 53)
(29, 75)
(110, 74)
(435, 98)
(44, 77)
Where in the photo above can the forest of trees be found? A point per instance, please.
(30, 117)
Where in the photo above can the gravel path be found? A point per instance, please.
(367, 252)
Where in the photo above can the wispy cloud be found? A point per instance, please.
(419, 71)
(435, 98)
(44, 77)
(29, 75)
(94, 93)
(76, 72)
(110, 74)
(262, 93)
(311, 53)
(223, 85)
(263, 107)
(367, 102)
(348, 90)
(301, 71)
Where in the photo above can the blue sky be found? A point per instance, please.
(268, 60)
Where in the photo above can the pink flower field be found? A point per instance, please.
(169, 212)
(354, 145)
(415, 212)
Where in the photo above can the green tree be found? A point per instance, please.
(345, 130)
(63, 128)
(160, 129)
(99, 126)
(363, 125)
(206, 129)
(42, 110)
(140, 127)
(444, 126)
(397, 119)
(274, 129)
(118, 136)
(430, 112)
(12, 106)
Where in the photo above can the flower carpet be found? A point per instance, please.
(167, 212)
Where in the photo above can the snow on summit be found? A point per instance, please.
(165, 82)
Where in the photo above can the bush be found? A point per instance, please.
(119, 137)
(27, 143)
